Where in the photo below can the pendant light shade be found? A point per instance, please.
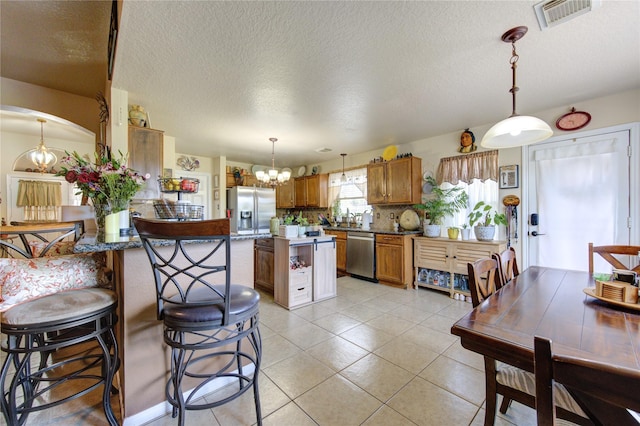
(517, 130)
(343, 178)
(40, 156)
(273, 177)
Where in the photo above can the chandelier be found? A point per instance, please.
(41, 156)
(517, 130)
(273, 177)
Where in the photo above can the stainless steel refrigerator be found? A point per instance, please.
(251, 209)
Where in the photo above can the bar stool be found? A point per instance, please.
(206, 319)
(53, 327)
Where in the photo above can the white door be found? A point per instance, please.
(580, 191)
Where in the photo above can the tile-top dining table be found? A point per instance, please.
(551, 303)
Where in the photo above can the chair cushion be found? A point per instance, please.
(57, 249)
(61, 306)
(516, 378)
(205, 306)
(25, 279)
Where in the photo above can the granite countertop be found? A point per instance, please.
(374, 230)
(89, 243)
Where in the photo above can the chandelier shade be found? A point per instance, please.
(40, 156)
(517, 130)
(273, 177)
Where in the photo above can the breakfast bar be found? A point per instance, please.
(144, 358)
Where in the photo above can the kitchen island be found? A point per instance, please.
(143, 355)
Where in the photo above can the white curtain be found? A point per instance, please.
(39, 199)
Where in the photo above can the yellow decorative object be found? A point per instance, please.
(389, 152)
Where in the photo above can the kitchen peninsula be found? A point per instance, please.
(144, 358)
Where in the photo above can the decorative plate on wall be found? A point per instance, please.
(301, 171)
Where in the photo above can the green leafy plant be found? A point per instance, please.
(465, 225)
(485, 215)
(302, 221)
(288, 220)
(442, 202)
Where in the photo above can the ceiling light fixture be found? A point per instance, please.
(41, 156)
(273, 177)
(517, 130)
(343, 178)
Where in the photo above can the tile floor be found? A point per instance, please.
(374, 355)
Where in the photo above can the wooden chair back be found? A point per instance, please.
(608, 252)
(594, 385)
(483, 279)
(507, 266)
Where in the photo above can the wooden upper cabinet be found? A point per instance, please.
(145, 156)
(395, 182)
(312, 191)
(376, 183)
(285, 195)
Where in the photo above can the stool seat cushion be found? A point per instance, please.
(205, 306)
(59, 307)
(25, 279)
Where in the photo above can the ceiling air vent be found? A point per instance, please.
(553, 12)
(323, 150)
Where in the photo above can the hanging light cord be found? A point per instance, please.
(513, 60)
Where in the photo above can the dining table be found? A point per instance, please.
(551, 303)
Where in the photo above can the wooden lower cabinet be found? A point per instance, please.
(341, 249)
(263, 256)
(394, 262)
(441, 263)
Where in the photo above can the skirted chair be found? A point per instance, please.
(58, 323)
(210, 324)
(511, 382)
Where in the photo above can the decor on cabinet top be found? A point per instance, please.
(188, 163)
(467, 142)
(138, 116)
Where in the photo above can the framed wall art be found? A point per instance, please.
(509, 177)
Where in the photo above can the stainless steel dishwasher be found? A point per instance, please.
(361, 255)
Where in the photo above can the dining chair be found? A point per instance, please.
(507, 266)
(592, 383)
(608, 252)
(210, 324)
(511, 382)
(58, 333)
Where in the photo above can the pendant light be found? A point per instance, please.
(343, 178)
(41, 156)
(517, 130)
(273, 177)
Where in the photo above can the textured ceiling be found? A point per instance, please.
(223, 77)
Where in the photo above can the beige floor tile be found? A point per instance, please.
(361, 312)
(336, 323)
(382, 304)
(427, 404)
(385, 416)
(456, 310)
(410, 313)
(391, 324)
(281, 319)
(460, 379)
(306, 335)
(439, 322)
(298, 374)
(337, 353)
(289, 415)
(465, 356)
(377, 376)
(276, 348)
(367, 337)
(314, 311)
(518, 414)
(405, 354)
(478, 420)
(192, 418)
(338, 402)
(433, 340)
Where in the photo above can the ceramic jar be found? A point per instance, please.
(137, 116)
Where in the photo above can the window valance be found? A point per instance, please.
(479, 165)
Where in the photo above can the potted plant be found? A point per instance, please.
(440, 204)
(288, 229)
(486, 217)
(453, 232)
(466, 231)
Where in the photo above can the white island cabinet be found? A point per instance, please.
(304, 270)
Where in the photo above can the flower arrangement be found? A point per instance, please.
(108, 180)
